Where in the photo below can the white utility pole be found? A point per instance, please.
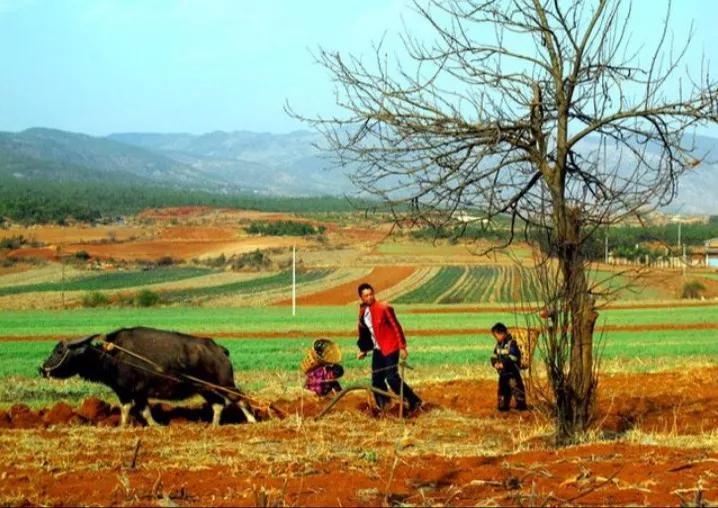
(62, 275)
(679, 234)
(605, 248)
(294, 280)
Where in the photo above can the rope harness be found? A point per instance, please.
(58, 364)
(159, 371)
(180, 377)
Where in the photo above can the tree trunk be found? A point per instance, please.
(575, 398)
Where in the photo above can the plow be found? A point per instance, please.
(324, 357)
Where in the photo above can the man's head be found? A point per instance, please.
(500, 331)
(366, 293)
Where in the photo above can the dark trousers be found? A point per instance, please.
(385, 372)
(511, 384)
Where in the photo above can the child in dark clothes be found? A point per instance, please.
(507, 361)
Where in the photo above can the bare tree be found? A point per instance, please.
(540, 110)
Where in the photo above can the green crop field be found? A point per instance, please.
(310, 320)
(258, 360)
(245, 286)
(435, 350)
(500, 284)
(23, 358)
(505, 284)
(112, 280)
(430, 291)
(476, 284)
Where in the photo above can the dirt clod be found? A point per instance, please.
(22, 417)
(61, 413)
(94, 409)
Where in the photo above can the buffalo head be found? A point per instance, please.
(64, 360)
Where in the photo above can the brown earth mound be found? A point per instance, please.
(668, 402)
(60, 413)
(93, 411)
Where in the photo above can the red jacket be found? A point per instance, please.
(387, 330)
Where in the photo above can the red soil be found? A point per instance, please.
(381, 277)
(460, 309)
(151, 249)
(179, 248)
(600, 474)
(603, 473)
(93, 411)
(163, 238)
(48, 253)
(668, 402)
(50, 234)
(197, 233)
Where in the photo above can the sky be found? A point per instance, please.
(103, 66)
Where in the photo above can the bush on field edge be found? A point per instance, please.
(146, 298)
(693, 289)
(94, 299)
(142, 298)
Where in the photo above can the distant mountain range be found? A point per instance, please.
(286, 164)
(233, 162)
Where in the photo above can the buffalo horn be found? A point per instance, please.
(81, 342)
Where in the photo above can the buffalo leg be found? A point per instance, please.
(146, 413)
(217, 414)
(218, 403)
(125, 413)
(246, 411)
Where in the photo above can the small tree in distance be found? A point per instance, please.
(541, 110)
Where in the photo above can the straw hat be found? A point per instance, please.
(322, 352)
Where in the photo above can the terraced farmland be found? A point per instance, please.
(432, 290)
(456, 284)
(250, 286)
(111, 280)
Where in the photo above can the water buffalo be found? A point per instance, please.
(135, 380)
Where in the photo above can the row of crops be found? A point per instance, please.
(112, 280)
(244, 287)
(476, 284)
(120, 280)
(431, 290)
(506, 284)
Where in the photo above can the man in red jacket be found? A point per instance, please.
(381, 334)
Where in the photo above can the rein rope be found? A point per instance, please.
(58, 364)
(159, 371)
